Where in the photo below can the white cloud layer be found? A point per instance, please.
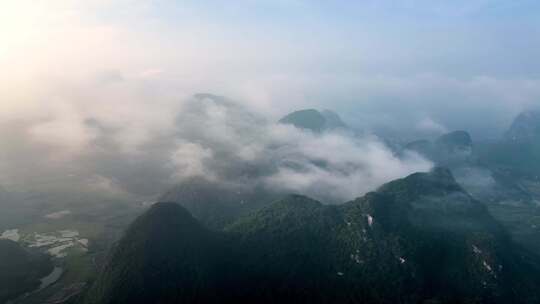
(104, 84)
(224, 142)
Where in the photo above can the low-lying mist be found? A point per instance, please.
(209, 137)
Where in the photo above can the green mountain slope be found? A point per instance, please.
(453, 250)
(214, 204)
(421, 239)
(165, 255)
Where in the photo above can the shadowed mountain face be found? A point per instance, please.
(214, 204)
(526, 127)
(504, 174)
(455, 141)
(421, 239)
(164, 257)
(333, 121)
(484, 171)
(519, 151)
(512, 186)
(314, 120)
(20, 269)
(451, 150)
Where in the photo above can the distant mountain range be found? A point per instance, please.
(446, 236)
(421, 239)
(466, 232)
(496, 171)
(518, 152)
(504, 173)
(487, 170)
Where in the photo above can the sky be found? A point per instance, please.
(433, 59)
(73, 69)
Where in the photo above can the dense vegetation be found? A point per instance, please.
(214, 204)
(20, 269)
(421, 239)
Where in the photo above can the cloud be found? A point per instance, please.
(106, 85)
(228, 144)
(129, 62)
(98, 183)
(62, 126)
(430, 126)
(335, 166)
(189, 161)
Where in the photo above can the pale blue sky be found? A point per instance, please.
(379, 63)
(458, 38)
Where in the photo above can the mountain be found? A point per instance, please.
(450, 150)
(20, 269)
(485, 182)
(493, 185)
(314, 120)
(287, 252)
(420, 239)
(518, 153)
(423, 147)
(525, 128)
(514, 163)
(215, 204)
(449, 247)
(417, 239)
(164, 256)
(484, 171)
(333, 121)
(456, 141)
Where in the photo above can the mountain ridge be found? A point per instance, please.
(420, 238)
